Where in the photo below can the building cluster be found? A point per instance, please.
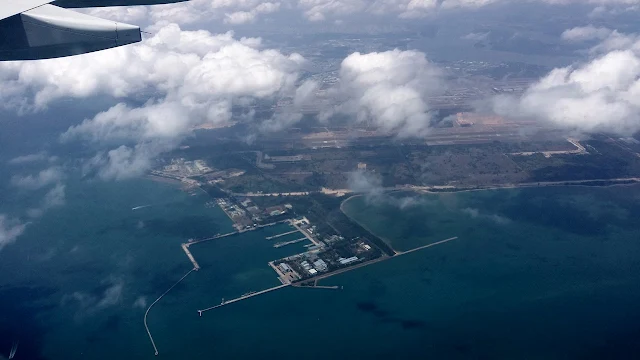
(334, 253)
(245, 214)
(184, 168)
(292, 158)
(220, 175)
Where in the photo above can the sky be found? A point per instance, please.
(204, 58)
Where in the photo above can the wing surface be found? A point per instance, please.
(9, 8)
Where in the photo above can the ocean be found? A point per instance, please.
(540, 273)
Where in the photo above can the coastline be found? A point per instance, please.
(570, 183)
(451, 190)
(387, 241)
(162, 179)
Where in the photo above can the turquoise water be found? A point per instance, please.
(548, 273)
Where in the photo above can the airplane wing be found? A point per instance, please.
(43, 29)
(13, 7)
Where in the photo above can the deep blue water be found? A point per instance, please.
(549, 273)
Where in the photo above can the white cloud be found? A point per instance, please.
(365, 182)
(10, 230)
(191, 12)
(600, 95)
(89, 304)
(498, 219)
(195, 77)
(141, 302)
(235, 12)
(370, 185)
(29, 158)
(112, 295)
(476, 36)
(319, 10)
(388, 90)
(183, 63)
(126, 162)
(44, 178)
(242, 17)
(586, 33)
(55, 197)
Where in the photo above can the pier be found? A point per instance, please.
(399, 253)
(185, 247)
(288, 282)
(283, 234)
(155, 348)
(193, 242)
(213, 238)
(281, 244)
(314, 241)
(243, 297)
(382, 258)
(316, 286)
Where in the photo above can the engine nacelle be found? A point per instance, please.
(49, 31)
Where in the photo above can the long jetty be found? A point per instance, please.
(320, 277)
(283, 234)
(235, 232)
(327, 287)
(382, 258)
(155, 348)
(185, 247)
(281, 244)
(314, 241)
(243, 297)
(399, 253)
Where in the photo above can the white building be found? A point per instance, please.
(320, 265)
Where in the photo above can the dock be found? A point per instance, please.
(281, 244)
(314, 241)
(382, 258)
(243, 297)
(282, 277)
(193, 242)
(155, 348)
(213, 238)
(283, 234)
(185, 247)
(315, 286)
(399, 253)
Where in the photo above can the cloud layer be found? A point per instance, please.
(370, 185)
(239, 12)
(602, 94)
(388, 90)
(191, 77)
(10, 229)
